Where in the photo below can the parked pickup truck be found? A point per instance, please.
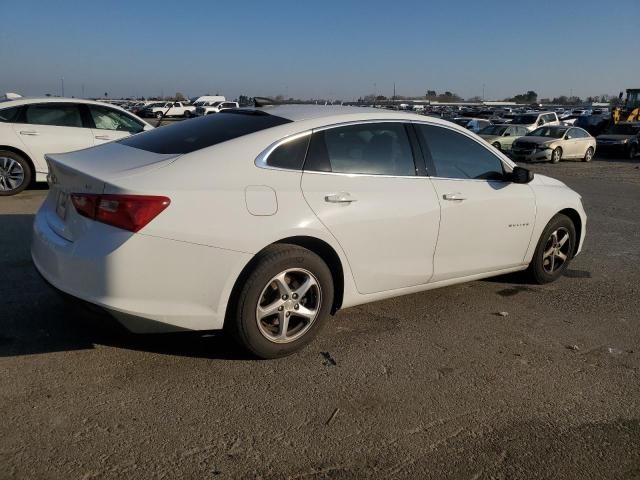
(214, 107)
(168, 109)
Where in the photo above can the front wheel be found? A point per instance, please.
(15, 173)
(554, 250)
(187, 114)
(284, 302)
(497, 145)
(556, 155)
(588, 155)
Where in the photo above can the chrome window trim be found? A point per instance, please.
(261, 159)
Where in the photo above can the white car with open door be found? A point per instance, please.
(33, 127)
(265, 221)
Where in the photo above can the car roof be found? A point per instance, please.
(331, 113)
(29, 100)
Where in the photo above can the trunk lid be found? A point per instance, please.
(90, 171)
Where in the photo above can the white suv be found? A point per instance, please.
(214, 107)
(533, 120)
(31, 127)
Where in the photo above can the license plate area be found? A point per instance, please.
(62, 204)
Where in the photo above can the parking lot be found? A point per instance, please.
(490, 379)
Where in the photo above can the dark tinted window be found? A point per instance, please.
(9, 114)
(370, 148)
(55, 114)
(454, 155)
(290, 155)
(192, 135)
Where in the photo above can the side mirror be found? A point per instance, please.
(540, 122)
(521, 175)
(507, 134)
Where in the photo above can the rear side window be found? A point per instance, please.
(9, 114)
(454, 155)
(54, 114)
(186, 137)
(370, 148)
(290, 155)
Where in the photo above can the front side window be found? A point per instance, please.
(54, 114)
(454, 155)
(108, 119)
(370, 148)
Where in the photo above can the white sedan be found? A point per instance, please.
(33, 127)
(263, 222)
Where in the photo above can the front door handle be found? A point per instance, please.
(454, 197)
(339, 198)
(102, 137)
(29, 132)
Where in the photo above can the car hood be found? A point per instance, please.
(490, 138)
(614, 137)
(547, 181)
(538, 140)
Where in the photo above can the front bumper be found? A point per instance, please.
(534, 155)
(149, 284)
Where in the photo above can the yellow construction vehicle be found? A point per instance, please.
(630, 111)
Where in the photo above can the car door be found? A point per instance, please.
(52, 127)
(486, 221)
(571, 143)
(361, 182)
(583, 141)
(109, 124)
(510, 134)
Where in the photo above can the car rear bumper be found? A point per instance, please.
(148, 284)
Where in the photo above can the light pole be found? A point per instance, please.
(62, 83)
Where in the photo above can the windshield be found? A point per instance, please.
(493, 130)
(208, 130)
(524, 119)
(462, 121)
(551, 132)
(625, 129)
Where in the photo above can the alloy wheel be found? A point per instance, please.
(288, 305)
(11, 174)
(556, 250)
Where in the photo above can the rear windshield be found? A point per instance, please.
(191, 135)
(524, 119)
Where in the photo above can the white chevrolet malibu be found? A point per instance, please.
(263, 222)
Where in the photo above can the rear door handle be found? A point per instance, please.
(29, 132)
(339, 198)
(454, 197)
(102, 137)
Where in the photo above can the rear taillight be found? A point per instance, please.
(129, 212)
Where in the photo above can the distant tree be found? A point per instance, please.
(279, 98)
(431, 94)
(180, 97)
(545, 100)
(243, 100)
(529, 97)
(381, 98)
(475, 99)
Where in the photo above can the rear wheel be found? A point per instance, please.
(588, 155)
(554, 250)
(556, 155)
(15, 173)
(187, 114)
(158, 115)
(284, 302)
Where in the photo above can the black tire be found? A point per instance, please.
(497, 145)
(539, 266)
(187, 114)
(556, 155)
(242, 322)
(633, 151)
(158, 115)
(11, 163)
(588, 155)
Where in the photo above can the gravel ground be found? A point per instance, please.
(433, 385)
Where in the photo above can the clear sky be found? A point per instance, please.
(332, 49)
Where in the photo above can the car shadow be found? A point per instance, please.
(35, 319)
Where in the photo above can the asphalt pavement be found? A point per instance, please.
(434, 385)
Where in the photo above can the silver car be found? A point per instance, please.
(554, 143)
